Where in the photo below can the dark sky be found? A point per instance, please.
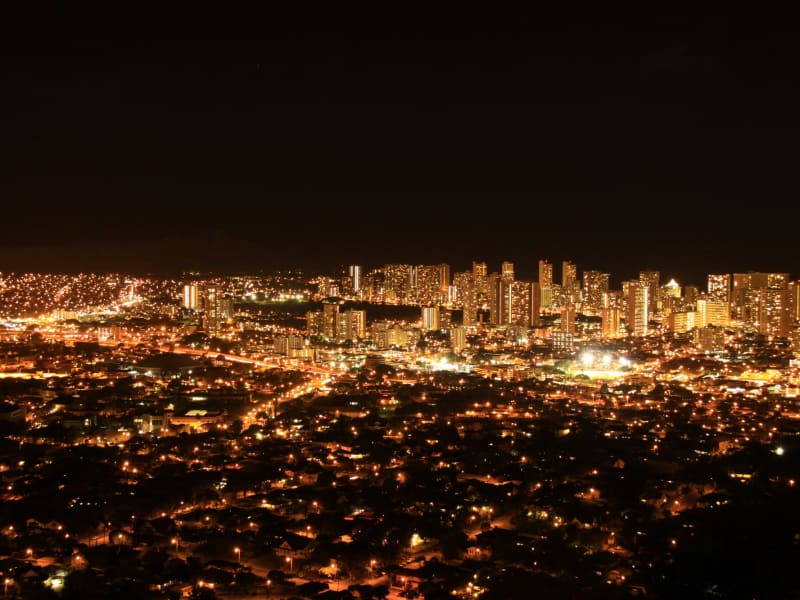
(312, 136)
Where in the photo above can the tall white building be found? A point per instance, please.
(190, 296)
(638, 308)
(430, 318)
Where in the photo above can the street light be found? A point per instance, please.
(238, 554)
(175, 541)
(6, 583)
(291, 564)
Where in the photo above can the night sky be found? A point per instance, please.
(373, 132)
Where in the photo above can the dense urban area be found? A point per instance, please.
(399, 432)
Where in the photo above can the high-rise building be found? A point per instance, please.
(690, 295)
(762, 301)
(568, 318)
(430, 318)
(536, 304)
(330, 318)
(719, 288)
(314, 322)
(569, 278)
(190, 296)
(342, 327)
(473, 292)
(682, 321)
(595, 285)
(710, 339)
(351, 325)
(354, 271)
(652, 279)
(507, 271)
(427, 283)
(501, 300)
(458, 339)
(397, 282)
(638, 308)
(545, 273)
(794, 302)
(549, 297)
(212, 317)
(467, 296)
(774, 313)
(712, 312)
(520, 311)
(283, 344)
(611, 322)
(444, 280)
(670, 294)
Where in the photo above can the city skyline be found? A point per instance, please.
(364, 300)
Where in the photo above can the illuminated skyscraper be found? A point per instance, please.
(217, 309)
(283, 344)
(670, 294)
(351, 325)
(719, 288)
(595, 285)
(611, 322)
(536, 304)
(569, 275)
(429, 283)
(690, 295)
(569, 281)
(545, 273)
(444, 280)
(794, 303)
(314, 322)
(501, 300)
(190, 297)
(507, 271)
(211, 317)
(467, 295)
(354, 271)
(482, 287)
(458, 339)
(473, 292)
(548, 298)
(430, 318)
(397, 282)
(638, 308)
(712, 312)
(774, 312)
(681, 322)
(762, 301)
(652, 279)
(521, 303)
(568, 318)
(330, 318)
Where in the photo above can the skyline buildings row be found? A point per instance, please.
(767, 302)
